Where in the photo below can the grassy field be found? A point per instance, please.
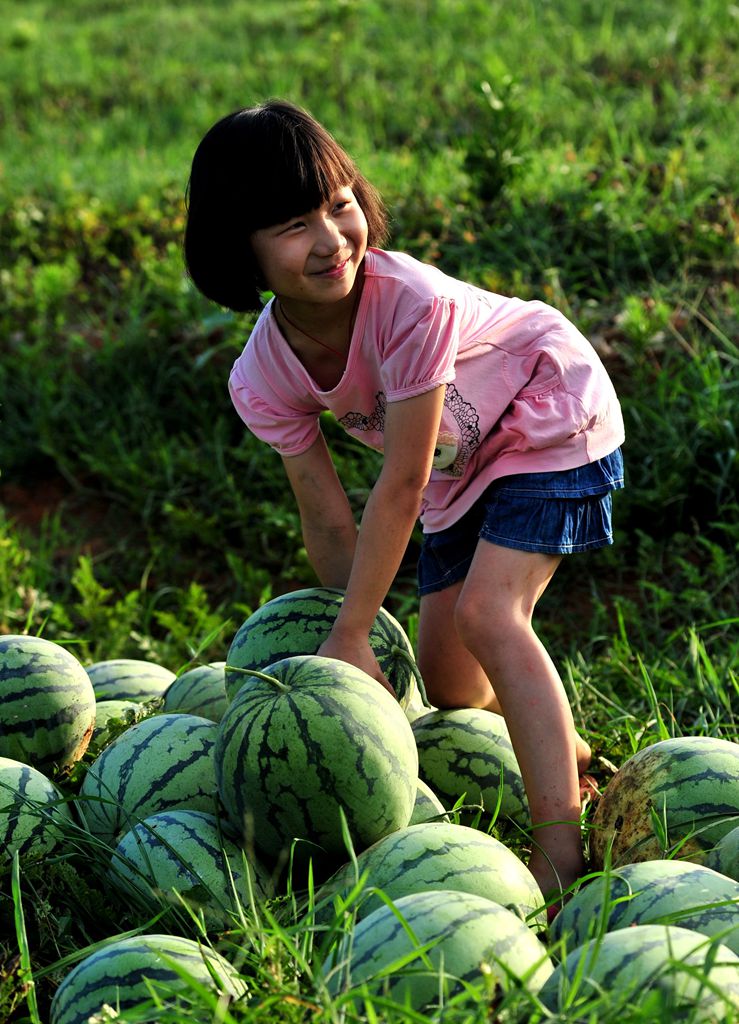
(569, 150)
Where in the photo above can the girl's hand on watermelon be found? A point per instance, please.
(357, 651)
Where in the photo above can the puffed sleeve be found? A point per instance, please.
(290, 430)
(420, 350)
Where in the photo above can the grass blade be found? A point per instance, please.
(22, 938)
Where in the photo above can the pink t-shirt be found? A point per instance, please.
(525, 391)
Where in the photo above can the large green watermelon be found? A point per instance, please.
(129, 679)
(162, 763)
(123, 973)
(185, 855)
(299, 622)
(668, 973)
(690, 784)
(471, 937)
(47, 704)
(653, 892)
(439, 855)
(467, 752)
(32, 812)
(316, 737)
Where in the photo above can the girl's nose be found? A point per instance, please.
(329, 238)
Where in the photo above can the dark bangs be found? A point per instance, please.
(298, 168)
(257, 167)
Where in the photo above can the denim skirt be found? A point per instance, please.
(552, 513)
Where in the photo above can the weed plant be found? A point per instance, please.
(575, 152)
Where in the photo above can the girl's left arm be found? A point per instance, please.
(411, 429)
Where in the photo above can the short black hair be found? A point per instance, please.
(256, 167)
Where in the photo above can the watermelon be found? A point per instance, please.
(32, 812)
(47, 704)
(724, 857)
(691, 782)
(470, 936)
(186, 854)
(467, 753)
(316, 737)
(199, 691)
(439, 855)
(653, 892)
(124, 972)
(299, 622)
(668, 972)
(111, 718)
(160, 764)
(129, 679)
(427, 804)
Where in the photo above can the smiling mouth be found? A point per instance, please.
(334, 271)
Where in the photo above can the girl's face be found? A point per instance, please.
(314, 258)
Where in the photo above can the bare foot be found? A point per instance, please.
(589, 792)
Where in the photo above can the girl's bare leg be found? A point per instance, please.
(452, 675)
(493, 615)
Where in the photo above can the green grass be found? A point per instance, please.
(579, 152)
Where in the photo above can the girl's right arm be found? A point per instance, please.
(327, 522)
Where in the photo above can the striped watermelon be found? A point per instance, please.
(32, 814)
(439, 855)
(160, 764)
(123, 973)
(692, 782)
(467, 752)
(47, 705)
(653, 892)
(185, 854)
(470, 935)
(129, 679)
(724, 857)
(668, 973)
(199, 691)
(299, 622)
(111, 718)
(318, 736)
(427, 804)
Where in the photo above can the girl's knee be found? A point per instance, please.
(481, 623)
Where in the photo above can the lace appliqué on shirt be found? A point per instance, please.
(375, 420)
(453, 447)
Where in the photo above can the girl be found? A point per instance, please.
(497, 421)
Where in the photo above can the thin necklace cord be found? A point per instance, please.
(333, 351)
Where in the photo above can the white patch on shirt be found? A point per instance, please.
(445, 452)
